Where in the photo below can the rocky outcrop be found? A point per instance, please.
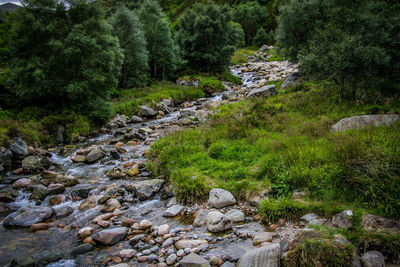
(218, 222)
(265, 256)
(219, 198)
(25, 218)
(361, 122)
(263, 91)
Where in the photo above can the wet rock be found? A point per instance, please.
(18, 171)
(78, 158)
(263, 91)
(55, 200)
(85, 232)
(219, 198)
(22, 183)
(134, 171)
(163, 230)
(372, 222)
(55, 189)
(89, 203)
(262, 237)
(94, 155)
(5, 157)
(81, 191)
(146, 189)
(167, 192)
(190, 243)
(127, 253)
(171, 259)
(134, 240)
(135, 119)
(265, 256)
(39, 192)
(81, 249)
(7, 197)
(218, 222)
(25, 218)
(360, 122)
(64, 211)
(111, 205)
(173, 211)
(127, 222)
(235, 215)
(147, 112)
(144, 224)
(284, 243)
(193, 260)
(343, 219)
(19, 148)
(170, 202)
(228, 264)
(66, 180)
(118, 121)
(110, 236)
(38, 227)
(35, 164)
(200, 218)
(117, 173)
(373, 259)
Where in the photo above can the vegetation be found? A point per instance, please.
(240, 56)
(286, 140)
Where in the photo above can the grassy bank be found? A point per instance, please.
(284, 143)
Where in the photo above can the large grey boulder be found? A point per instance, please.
(148, 112)
(146, 189)
(110, 236)
(19, 148)
(267, 90)
(373, 259)
(218, 222)
(35, 164)
(219, 198)
(343, 219)
(360, 122)
(194, 260)
(265, 256)
(94, 155)
(293, 80)
(27, 217)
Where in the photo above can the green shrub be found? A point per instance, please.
(210, 85)
(284, 208)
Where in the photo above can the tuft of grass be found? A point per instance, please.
(285, 208)
(210, 85)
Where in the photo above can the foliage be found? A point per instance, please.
(287, 139)
(252, 16)
(127, 28)
(284, 208)
(262, 38)
(205, 37)
(240, 56)
(160, 45)
(210, 85)
(64, 57)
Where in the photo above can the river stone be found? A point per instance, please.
(265, 256)
(110, 236)
(262, 237)
(5, 157)
(35, 164)
(144, 224)
(201, 217)
(135, 119)
(64, 211)
(55, 189)
(78, 158)
(94, 155)
(173, 211)
(360, 122)
(21, 183)
(163, 230)
(343, 219)
(39, 192)
(148, 112)
(171, 259)
(25, 218)
(19, 148)
(127, 253)
(228, 264)
(81, 191)
(263, 91)
(219, 198)
(235, 215)
(190, 243)
(89, 203)
(146, 189)
(111, 205)
(373, 259)
(81, 249)
(193, 260)
(217, 222)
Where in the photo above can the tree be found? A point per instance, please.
(160, 45)
(127, 28)
(205, 37)
(252, 16)
(263, 38)
(64, 56)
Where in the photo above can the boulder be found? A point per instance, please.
(110, 236)
(235, 215)
(190, 243)
(173, 211)
(118, 121)
(22, 183)
(55, 189)
(27, 217)
(265, 256)
(19, 148)
(110, 205)
(81, 191)
(148, 112)
(200, 218)
(292, 80)
(343, 219)
(194, 260)
(78, 158)
(217, 222)
(263, 91)
(94, 155)
(360, 122)
(35, 164)
(219, 198)
(135, 119)
(146, 189)
(373, 259)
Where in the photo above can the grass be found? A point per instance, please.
(285, 141)
(129, 101)
(240, 56)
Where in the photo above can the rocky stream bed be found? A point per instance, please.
(94, 203)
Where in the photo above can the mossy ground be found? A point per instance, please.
(286, 142)
(240, 56)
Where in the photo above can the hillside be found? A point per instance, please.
(9, 7)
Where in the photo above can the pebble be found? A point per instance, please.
(144, 224)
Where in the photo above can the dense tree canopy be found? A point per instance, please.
(205, 37)
(64, 57)
(127, 28)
